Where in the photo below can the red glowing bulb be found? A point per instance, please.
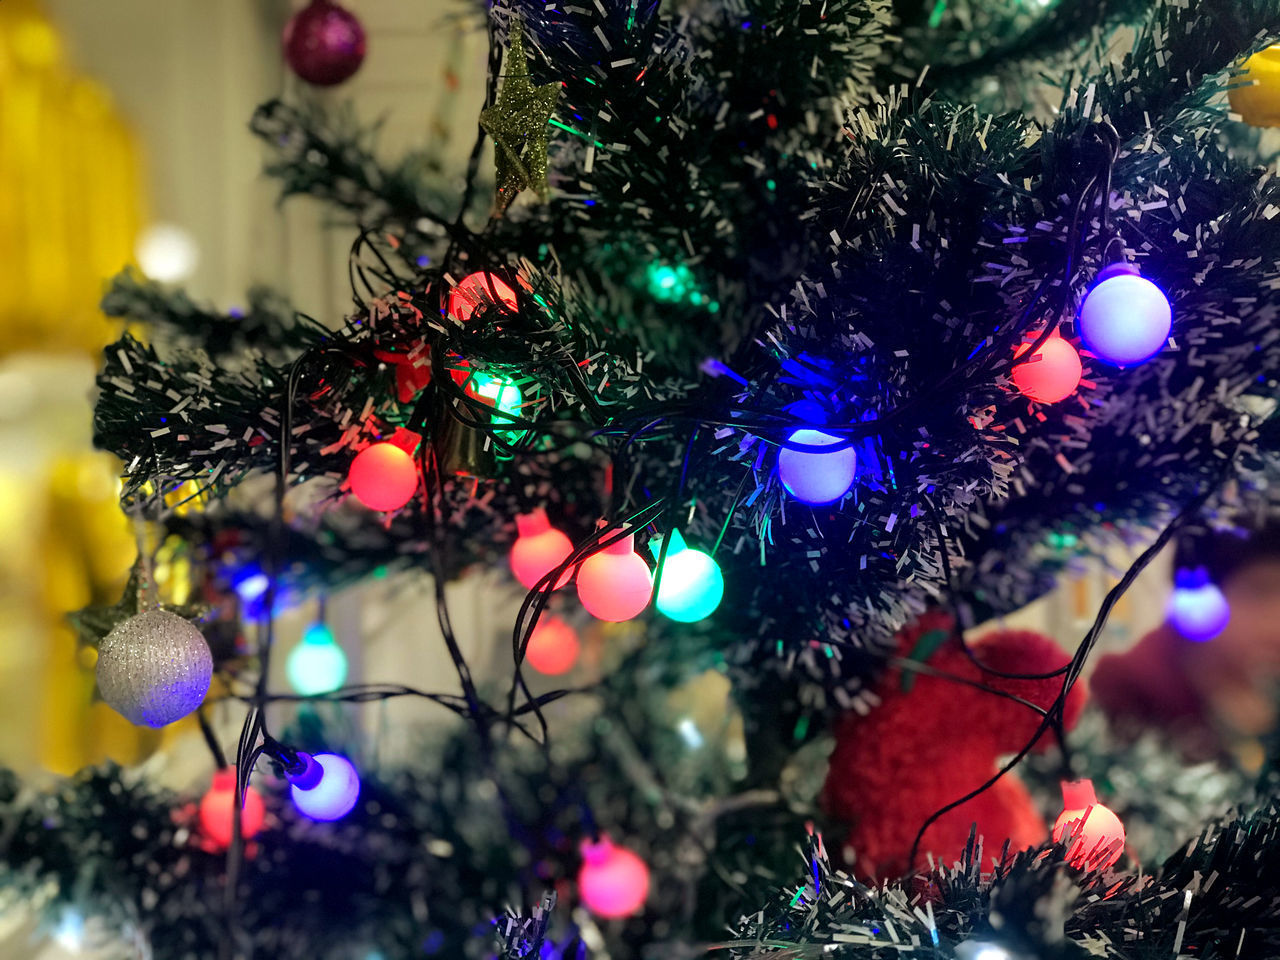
(553, 647)
(538, 550)
(383, 476)
(217, 810)
(477, 289)
(1050, 374)
(1093, 834)
(615, 584)
(613, 881)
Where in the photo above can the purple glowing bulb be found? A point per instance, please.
(1125, 318)
(1197, 609)
(814, 477)
(333, 794)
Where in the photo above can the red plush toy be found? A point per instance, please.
(932, 740)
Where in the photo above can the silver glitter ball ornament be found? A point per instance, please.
(154, 668)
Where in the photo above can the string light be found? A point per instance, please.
(1197, 609)
(317, 664)
(1125, 318)
(217, 810)
(539, 549)
(691, 585)
(328, 793)
(615, 584)
(479, 289)
(613, 881)
(1094, 834)
(813, 477)
(1050, 374)
(383, 476)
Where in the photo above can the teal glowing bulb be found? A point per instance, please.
(317, 664)
(692, 585)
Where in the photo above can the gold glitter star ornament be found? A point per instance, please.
(518, 124)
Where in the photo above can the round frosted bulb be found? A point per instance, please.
(1125, 319)
(816, 478)
(691, 585)
(477, 289)
(317, 664)
(335, 795)
(217, 810)
(167, 253)
(383, 476)
(615, 584)
(1050, 374)
(1197, 609)
(1095, 833)
(538, 550)
(613, 881)
(553, 647)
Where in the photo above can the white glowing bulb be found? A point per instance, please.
(690, 733)
(69, 934)
(167, 253)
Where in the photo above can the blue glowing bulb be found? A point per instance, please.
(336, 793)
(1125, 319)
(317, 664)
(812, 477)
(1197, 609)
(692, 584)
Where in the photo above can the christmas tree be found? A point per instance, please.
(803, 334)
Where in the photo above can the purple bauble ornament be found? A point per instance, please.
(324, 43)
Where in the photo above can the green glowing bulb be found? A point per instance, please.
(317, 664)
(670, 284)
(504, 396)
(692, 584)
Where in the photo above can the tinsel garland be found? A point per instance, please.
(422, 875)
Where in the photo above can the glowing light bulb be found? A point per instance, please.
(167, 253)
(69, 933)
(335, 793)
(1093, 834)
(691, 585)
(1125, 319)
(383, 476)
(553, 647)
(538, 550)
(1050, 374)
(317, 664)
(613, 881)
(1197, 609)
(217, 810)
(503, 395)
(477, 289)
(812, 477)
(615, 584)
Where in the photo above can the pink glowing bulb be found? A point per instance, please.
(615, 584)
(217, 810)
(1050, 374)
(613, 881)
(538, 550)
(553, 647)
(477, 289)
(383, 476)
(1093, 834)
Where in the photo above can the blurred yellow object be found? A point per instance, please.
(69, 210)
(69, 214)
(1258, 99)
